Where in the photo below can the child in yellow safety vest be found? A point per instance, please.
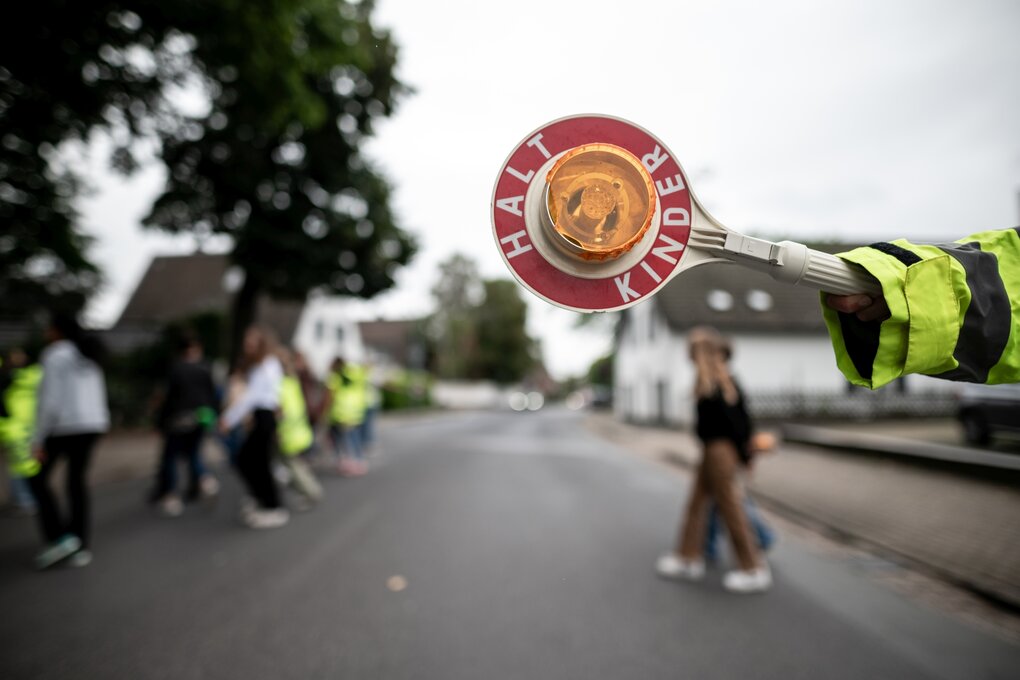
(17, 422)
(295, 435)
(346, 410)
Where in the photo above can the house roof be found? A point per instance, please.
(737, 299)
(175, 287)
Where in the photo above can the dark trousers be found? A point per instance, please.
(253, 460)
(179, 445)
(78, 450)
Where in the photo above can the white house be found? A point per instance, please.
(782, 357)
(326, 330)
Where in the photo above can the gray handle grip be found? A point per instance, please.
(800, 264)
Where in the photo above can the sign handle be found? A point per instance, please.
(786, 261)
(825, 271)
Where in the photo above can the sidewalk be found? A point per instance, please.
(124, 455)
(927, 442)
(963, 529)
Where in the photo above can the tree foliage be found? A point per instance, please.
(505, 352)
(478, 330)
(601, 371)
(294, 88)
(459, 287)
(451, 327)
(61, 75)
(271, 156)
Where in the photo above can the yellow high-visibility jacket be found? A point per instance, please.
(17, 428)
(350, 396)
(954, 312)
(293, 432)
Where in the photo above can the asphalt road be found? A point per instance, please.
(526, 546)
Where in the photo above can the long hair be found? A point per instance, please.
(87, 343)
(265, 344)
(713, 372)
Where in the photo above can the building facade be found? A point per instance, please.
(782, 359)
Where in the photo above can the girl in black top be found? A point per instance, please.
(725, 429)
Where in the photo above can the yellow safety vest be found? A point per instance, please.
(350, 397)
(17, 428)
(954, 312)
(293, 432)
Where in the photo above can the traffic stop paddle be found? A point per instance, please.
(593, 213)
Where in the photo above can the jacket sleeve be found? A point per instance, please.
(954, 312)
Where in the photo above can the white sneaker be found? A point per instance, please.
(751, 581)
(208, 487)
(171, 506)
(267, 519)
(672, 565)
(82, 558)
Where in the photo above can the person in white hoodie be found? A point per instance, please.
(257, 406)
(71, 414)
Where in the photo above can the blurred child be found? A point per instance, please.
(17, 421)
(71, 415)
(188, 408)
(295, 435)
(724, 427)
(259, 402)
(346, 409)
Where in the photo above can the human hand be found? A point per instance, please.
(222, 427)
(39, 453)
(865, 307)
(763, 442)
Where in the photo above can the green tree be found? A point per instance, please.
(62, 75)
(294, 88)
(478, 330)
(452, 328)
(601, 371)
(291, 90)
(505, 352)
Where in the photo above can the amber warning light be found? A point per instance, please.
(601, 201)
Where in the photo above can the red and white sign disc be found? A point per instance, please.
(618, 289)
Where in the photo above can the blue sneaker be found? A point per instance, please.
(64, 547)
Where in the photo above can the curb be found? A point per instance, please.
(1000, 467)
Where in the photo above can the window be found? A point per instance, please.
(320, 329)
(759, 300)
(719, 300)
(340, 333)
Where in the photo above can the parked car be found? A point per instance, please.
(601, 396)
(986, 411)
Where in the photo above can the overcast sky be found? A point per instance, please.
(801, 119)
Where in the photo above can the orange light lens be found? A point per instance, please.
(601, 200)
